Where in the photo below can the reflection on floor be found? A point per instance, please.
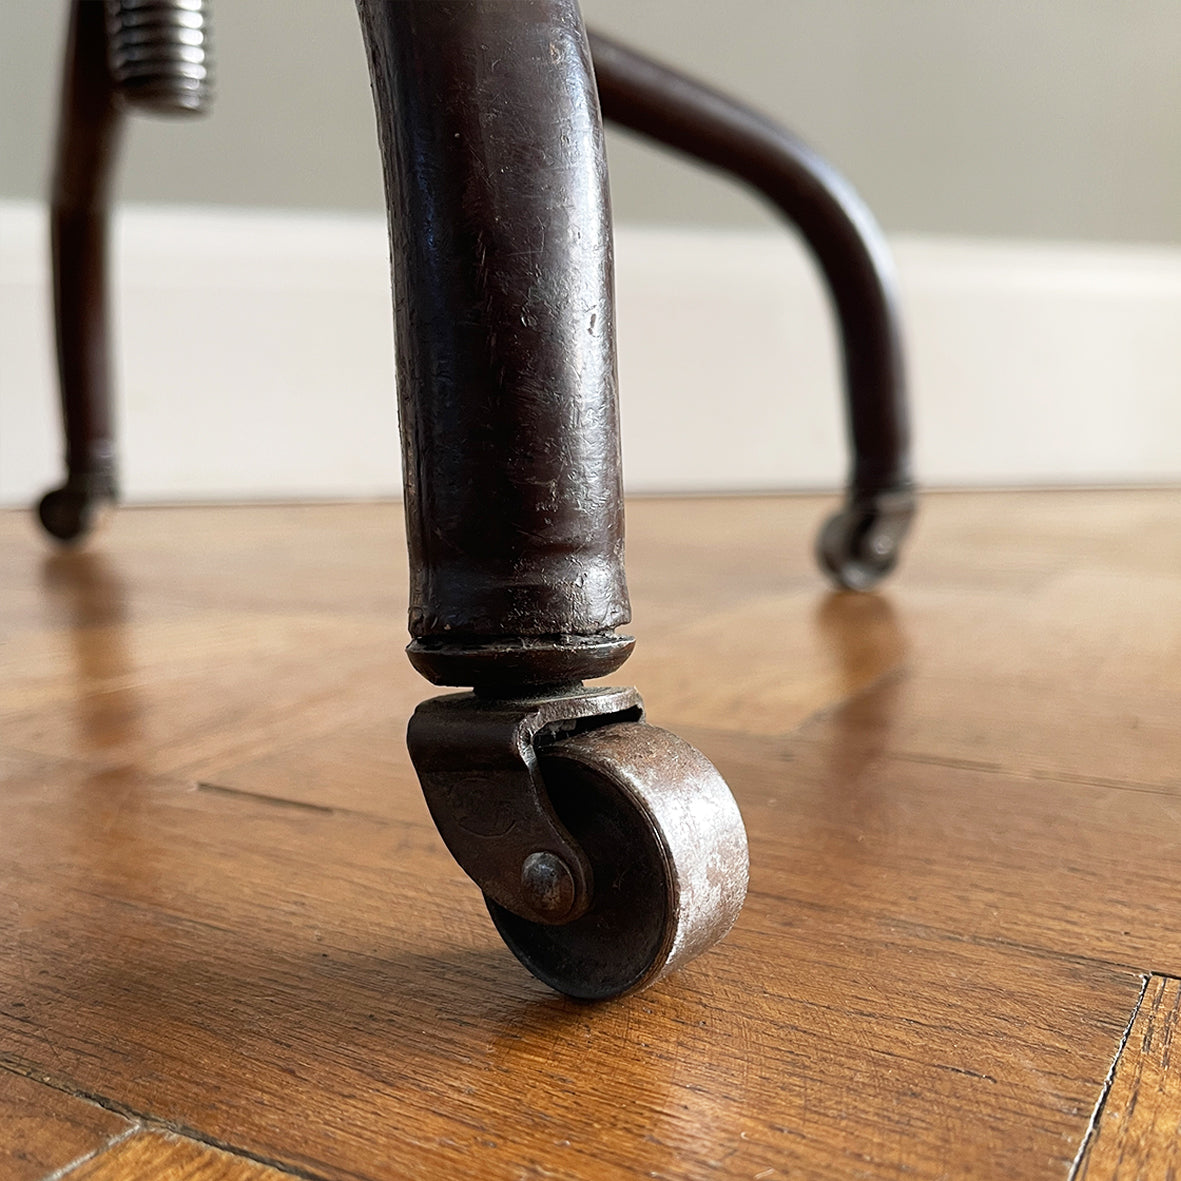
(232, 946)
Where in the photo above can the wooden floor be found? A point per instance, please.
(232, 946)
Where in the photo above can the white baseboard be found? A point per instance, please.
(255, 359)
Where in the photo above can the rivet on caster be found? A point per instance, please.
(609, 851)
(861, 544)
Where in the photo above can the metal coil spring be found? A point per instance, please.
(160, 54)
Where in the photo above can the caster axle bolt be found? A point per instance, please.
(548, 884)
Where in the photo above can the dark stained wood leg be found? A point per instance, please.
(608, 851)
(861, 544)
(89, 133)
(504, 316)
(151, 55)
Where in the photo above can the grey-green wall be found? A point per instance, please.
(1026, 118)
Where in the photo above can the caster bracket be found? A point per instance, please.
(477, 762)
(860, 544)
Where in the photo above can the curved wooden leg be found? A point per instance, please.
(861, 544)
(152, 55)
(504, 315)
(87, 146)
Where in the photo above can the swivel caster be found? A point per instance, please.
(609, 851)
(860, 545)
(70, 512)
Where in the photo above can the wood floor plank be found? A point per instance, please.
(1055, 865)
(324, 989)
(42, 1130)
(1038, 632)
(767, 665)
(1077, 680)
(1067, 868)
(163, 1156)
(962, 794)
(1138, 1134)
(149, 562)
(200, 688)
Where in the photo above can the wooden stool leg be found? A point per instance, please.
(608, 851)
(861, 544)
(504, 316)
(88, 139)
(151, 55)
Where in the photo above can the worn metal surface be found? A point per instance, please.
(670, 858)
(477, 761)
(842, 234)
(609, 851)
(504, 665)
(504, 318)
(502, 273)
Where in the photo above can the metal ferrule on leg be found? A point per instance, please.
(850, 249)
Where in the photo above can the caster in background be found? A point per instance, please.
(859, 545)
(69, 513)
(610, 852)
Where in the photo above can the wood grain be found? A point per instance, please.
(1033, 632)
(163, 1156)
(225, 908)
(323, 989)
(43, 1130)
(973, 852)
(1138, 1134)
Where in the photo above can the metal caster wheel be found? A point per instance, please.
(861, 544)
(69, 513)
(668, 853)
(608, 851)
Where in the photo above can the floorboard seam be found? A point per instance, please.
(948, 935)
(1093, 1123)
(241, 793)
(110, 1142)
(145, 1123)
(278, 801)
(951, 762)
(985, 768)
(897, 672)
